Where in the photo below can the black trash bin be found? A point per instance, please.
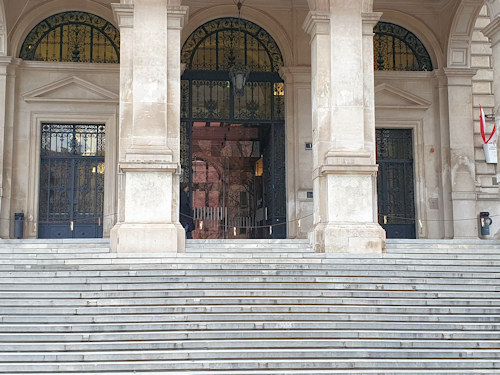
(18, 224)
(484, 223)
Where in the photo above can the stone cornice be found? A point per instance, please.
(317, 23)
(69, 66)
(124, 14)
(369, 21)
(148, 167)
(177, 16)
(296, 74)
(492, 31)
(459, 76)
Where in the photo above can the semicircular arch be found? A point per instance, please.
(460, 37)
(421, 31)
(39, 13)
(3, 30)
(262, 19)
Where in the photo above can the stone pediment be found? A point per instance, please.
(71, 90)
(390, 97)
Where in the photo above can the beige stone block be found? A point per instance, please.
(481, 49)
(350, 198)
(484, 75)
(147, 197)
(478, 36)
(349, 238)
(482, 88)
(483, 168)
(481, 61)
(147, 238)
(486, 101)
(482, 22)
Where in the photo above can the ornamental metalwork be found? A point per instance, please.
(222, 43)
(71, 192)
(274, 177)
(233, 144)
(73, 37)
(396, 201)
(396, 48)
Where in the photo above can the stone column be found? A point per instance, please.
(462, 158)
(344, 176)
(7, 78)
(149, 128)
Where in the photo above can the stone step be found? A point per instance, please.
(246, 317)
(92, 257)
(102, 313)
(295, 372)
(284, 259)
(252, 334)
(222, 282)
(250, 365)
(222, 273)
(60, 266)
(275, 343)
(241, 325)
(247, 354)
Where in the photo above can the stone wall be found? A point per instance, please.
(481, 59)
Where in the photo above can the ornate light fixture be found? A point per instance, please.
(238, 73)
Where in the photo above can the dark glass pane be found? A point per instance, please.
(396, 48)
(73, 37)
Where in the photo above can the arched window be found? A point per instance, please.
(396, 48)
(73, 37)
(225, 42)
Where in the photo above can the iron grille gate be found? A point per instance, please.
(71, 181)
(396, 207)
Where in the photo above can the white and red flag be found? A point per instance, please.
(494, 134)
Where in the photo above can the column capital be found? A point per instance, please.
(317, 22)
(492, 31)
(177, 16)
(124, 14)
(369, 21)
(459, 76)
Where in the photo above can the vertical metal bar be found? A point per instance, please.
(72, 192)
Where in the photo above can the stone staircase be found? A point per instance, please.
(249, 307)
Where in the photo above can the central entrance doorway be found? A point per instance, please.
(233, 168)
(233, 131)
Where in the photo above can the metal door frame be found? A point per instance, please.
(90, 225)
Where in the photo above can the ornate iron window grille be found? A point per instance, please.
(396, 48)
(73, 37)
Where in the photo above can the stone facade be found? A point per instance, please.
(334, 100)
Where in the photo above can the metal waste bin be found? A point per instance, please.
(484, 223)
(18, 224)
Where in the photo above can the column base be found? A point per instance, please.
(147, 238)
(349, 238)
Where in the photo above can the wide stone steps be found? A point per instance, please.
(249, 307)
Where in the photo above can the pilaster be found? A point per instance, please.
(462, 158)
(149, 127)
(7, 84)
(299, 159)
(344, 177)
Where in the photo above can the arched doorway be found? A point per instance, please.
(233, 131)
